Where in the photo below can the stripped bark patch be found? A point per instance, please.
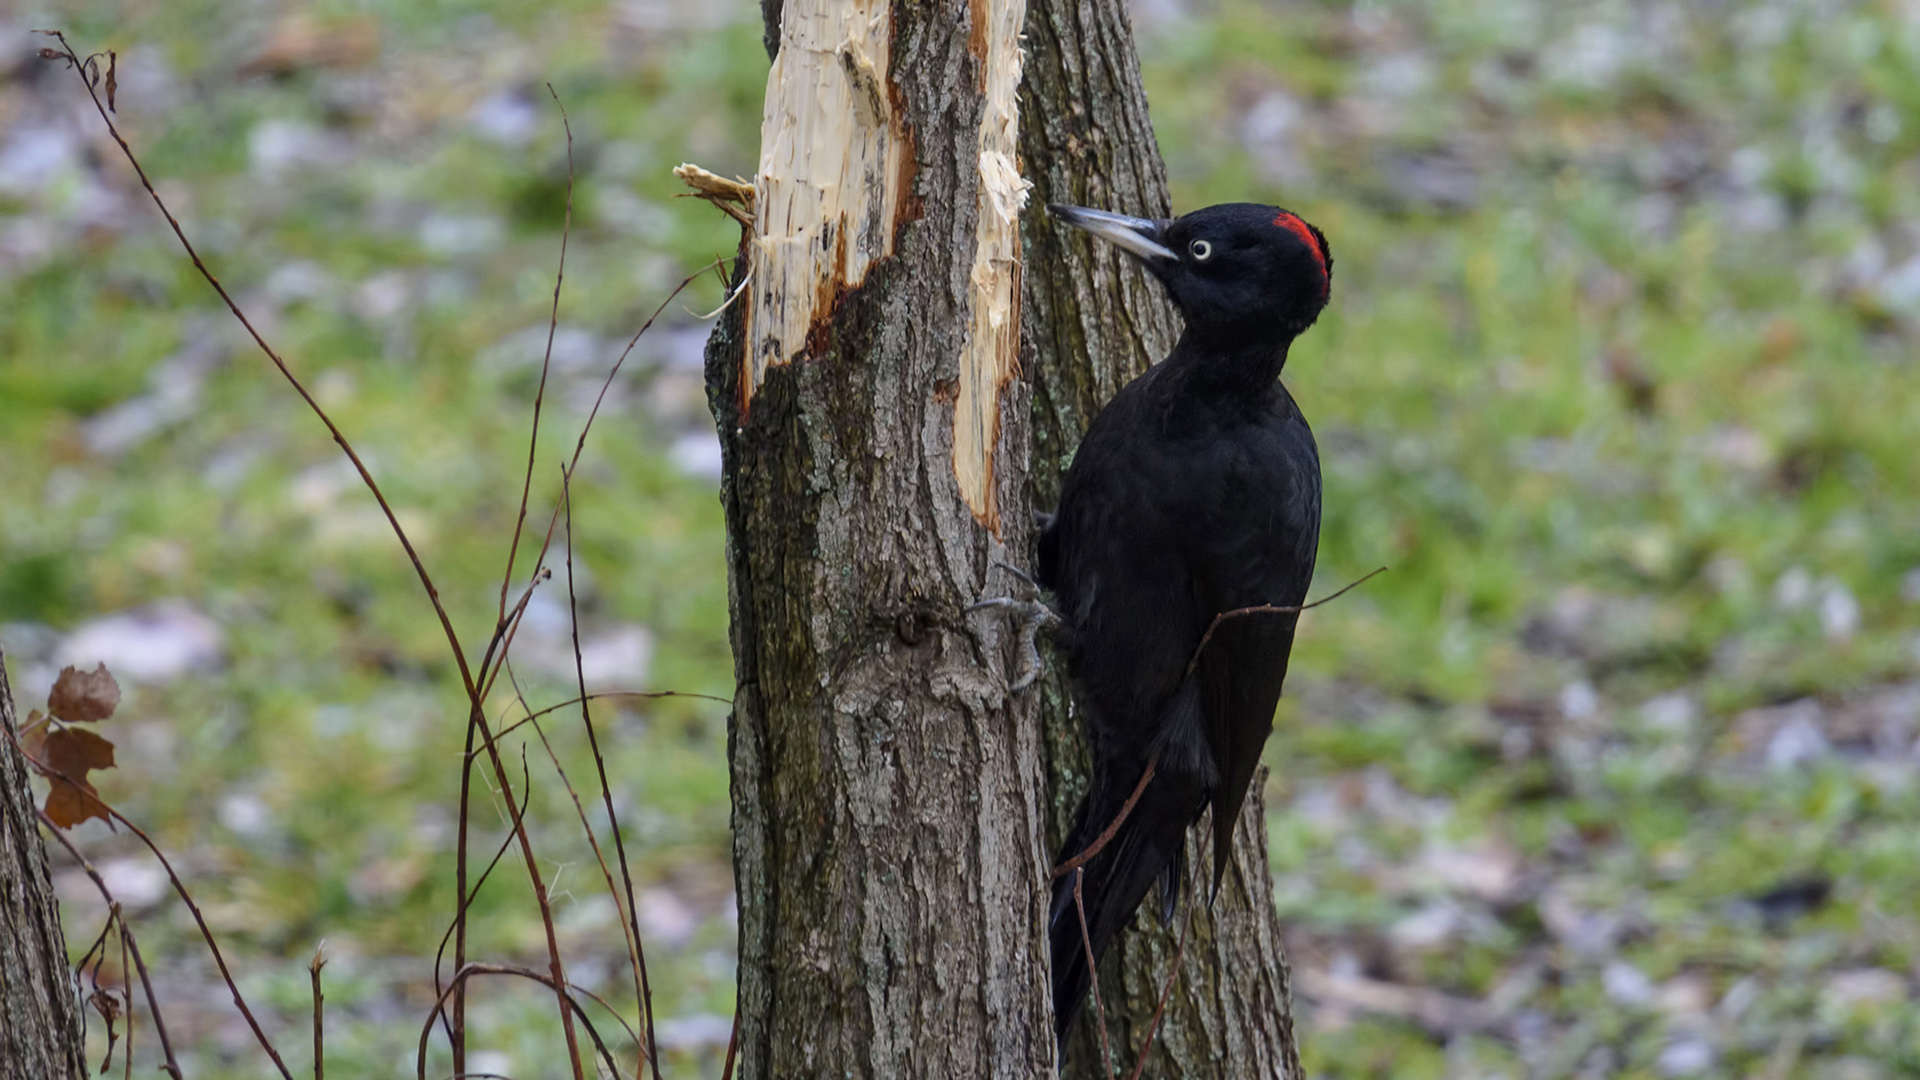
(990, 356)
(831, 176)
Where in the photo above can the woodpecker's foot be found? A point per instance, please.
(1025, 578)
(1032, 616)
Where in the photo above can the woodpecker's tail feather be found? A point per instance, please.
(1149, 845)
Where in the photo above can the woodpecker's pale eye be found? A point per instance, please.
(1201, 250)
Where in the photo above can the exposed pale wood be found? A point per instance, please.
(40, 1032)
(991, 354)
(832, 166)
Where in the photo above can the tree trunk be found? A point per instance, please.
(888, 811)
(892, 802)
(40, 1032)
(1092, 322)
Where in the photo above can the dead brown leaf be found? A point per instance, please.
(72, 753)
(84, 696)
(108, 1006)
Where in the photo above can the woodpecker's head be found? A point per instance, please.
(1237, 269)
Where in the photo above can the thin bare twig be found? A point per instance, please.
(1173, 973)
(605, 695)
(96, 953)
(126, 966)
(494, 662)
(491, 665)
(563, 989)
(96, 957)
(502, 640)
(440, 953)
(490, 669)
(206, 933)
(172, 1064)
(632, 1035)
(477, 720)
(339, 437)
(643, 987)
(733, 1047)
(1272, 609)
(470, 683)
(593, 840)
(580, 444)
(1074, 864)
(477, 682)
(179, 888)
(546, 361)
(319, 1014)
(1093, 973)
(517, 831)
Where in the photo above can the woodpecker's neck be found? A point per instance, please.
(1238, 364)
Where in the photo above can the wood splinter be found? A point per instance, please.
(733, 198)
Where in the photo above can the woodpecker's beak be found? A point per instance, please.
(1139, 237)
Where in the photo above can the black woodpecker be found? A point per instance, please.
(1195, 492)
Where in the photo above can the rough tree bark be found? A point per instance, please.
(40, 1032)
(894, 806)
(1092, 321)
(888, 808)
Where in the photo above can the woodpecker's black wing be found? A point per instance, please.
(1179, 506)
(1257, 547)
(1172, 513)
(1117, 559)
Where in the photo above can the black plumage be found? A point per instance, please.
(1195, 492)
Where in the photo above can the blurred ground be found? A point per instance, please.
(1614, 773)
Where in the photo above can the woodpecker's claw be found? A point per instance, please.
(1033, 616)
(1025, 577)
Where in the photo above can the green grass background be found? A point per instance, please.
(1619, 379)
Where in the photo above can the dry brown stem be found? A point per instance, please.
(1273, 609)
(1074, 864)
